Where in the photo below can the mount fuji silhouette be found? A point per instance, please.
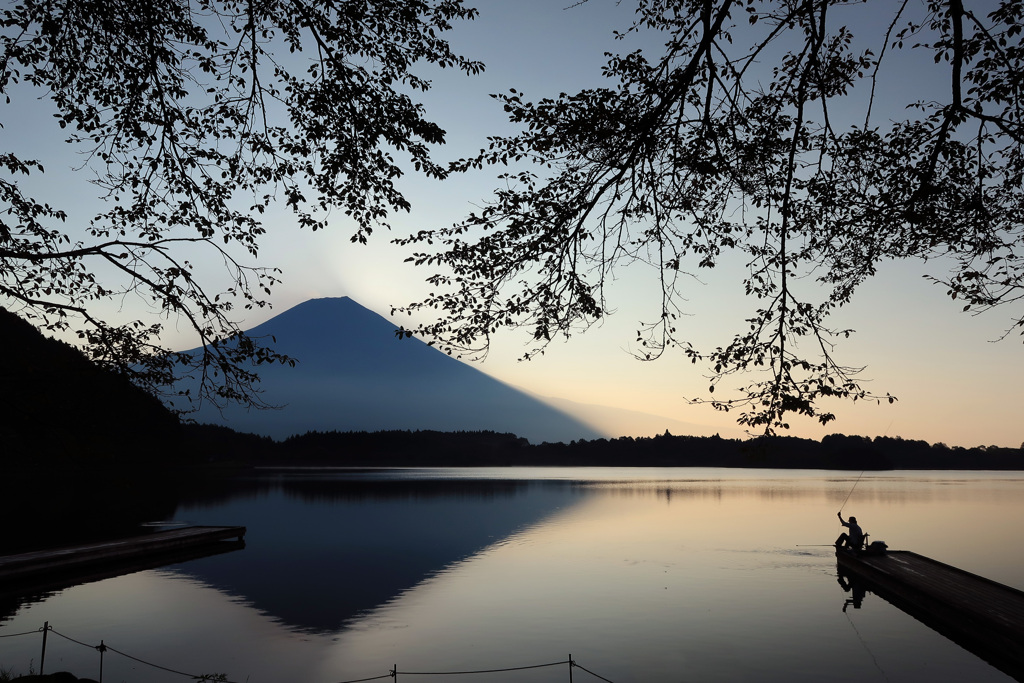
(354, 374)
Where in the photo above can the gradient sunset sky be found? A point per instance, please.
(954, 383)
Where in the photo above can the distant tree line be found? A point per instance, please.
(425, 448)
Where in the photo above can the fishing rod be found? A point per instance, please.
(832, 545)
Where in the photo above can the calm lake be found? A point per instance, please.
(638, 574)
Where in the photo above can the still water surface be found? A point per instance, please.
(639, 574)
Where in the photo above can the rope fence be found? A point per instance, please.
(393, 673)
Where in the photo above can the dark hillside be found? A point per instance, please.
(83, 452)
(58, 408)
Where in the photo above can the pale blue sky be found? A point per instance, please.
(954, 385)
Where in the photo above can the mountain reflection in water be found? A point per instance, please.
(324, 549)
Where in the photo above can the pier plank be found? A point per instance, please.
(70, 558)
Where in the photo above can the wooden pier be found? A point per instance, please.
(87, 557)
(980, 615)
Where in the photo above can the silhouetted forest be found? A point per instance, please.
(453, 449)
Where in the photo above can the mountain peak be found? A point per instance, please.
(353, 373)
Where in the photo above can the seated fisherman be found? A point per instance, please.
(852, 540)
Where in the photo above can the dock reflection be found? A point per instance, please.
(18, 593)
(936, 615)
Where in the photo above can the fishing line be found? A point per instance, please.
(851, 491)
(864, 643)
(859, 476)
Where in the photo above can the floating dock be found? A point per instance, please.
(982, 616)
(70, 559)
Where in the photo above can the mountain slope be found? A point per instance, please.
(354, 374)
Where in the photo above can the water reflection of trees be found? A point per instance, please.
(327, 486)
(872, 490)
(315, 485)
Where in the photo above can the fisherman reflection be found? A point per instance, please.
(852, 585)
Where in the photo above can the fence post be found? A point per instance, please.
(102, 648)
(570, 668)
(42, 657)
(394, 672)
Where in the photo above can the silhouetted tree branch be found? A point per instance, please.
(195, 117)
(743, 137)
